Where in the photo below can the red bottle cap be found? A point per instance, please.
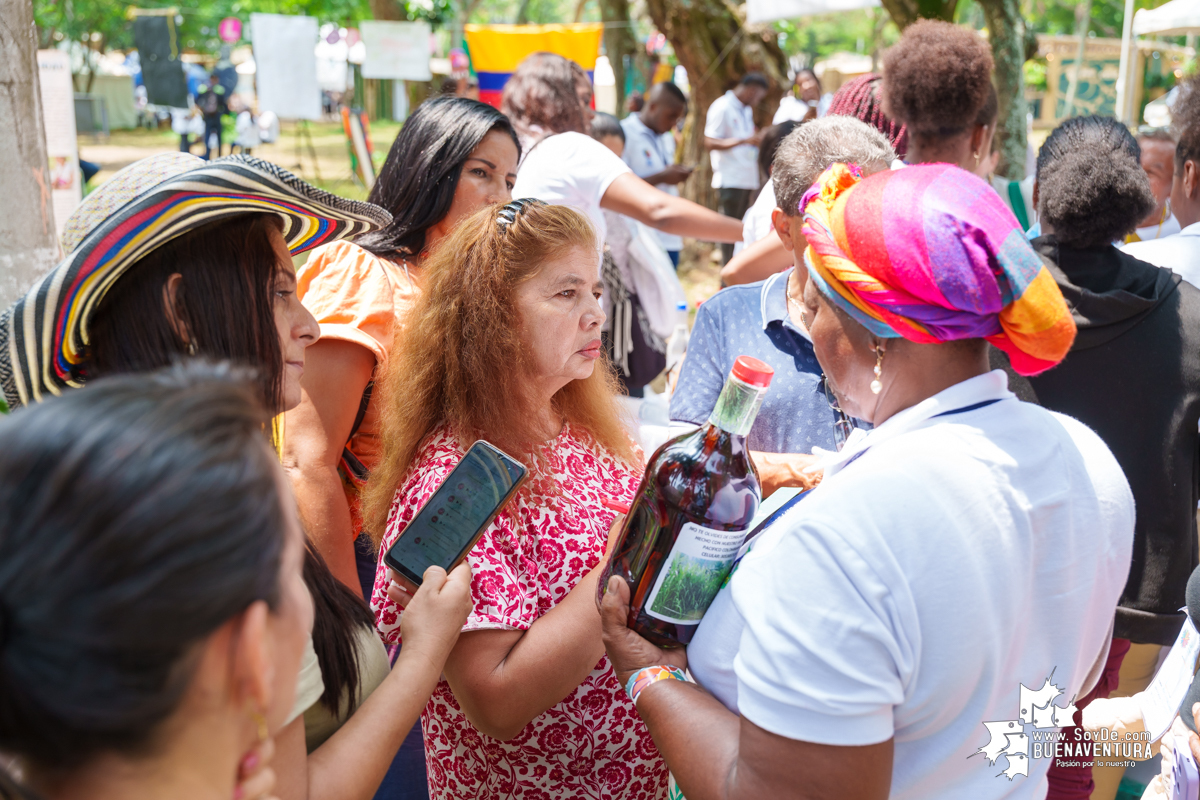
(752, 371)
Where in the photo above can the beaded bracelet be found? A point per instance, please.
(648, 675)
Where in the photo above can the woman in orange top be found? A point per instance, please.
(453, 157)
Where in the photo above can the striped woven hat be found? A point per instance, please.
(44, 335)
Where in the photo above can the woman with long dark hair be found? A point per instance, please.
(548, 99)
(453, 156)
(196, 261)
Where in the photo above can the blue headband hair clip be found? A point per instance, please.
(509, 213)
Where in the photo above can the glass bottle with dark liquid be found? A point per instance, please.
(690, 514)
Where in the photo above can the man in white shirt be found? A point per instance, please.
(650, 149)
(805, 102)
(730, 136)
(1158, 162)
(1181, 252)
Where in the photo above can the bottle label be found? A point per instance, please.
(693, 573)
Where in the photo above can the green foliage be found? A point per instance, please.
(1035, 74)
(1057, 17)
(438, 13)
(850, 31)
(103, 24)
(537, 12)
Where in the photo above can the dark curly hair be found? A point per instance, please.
(1092, 189)
(1185, 121)
(859, 98)
(1077, 130)
(936, 79)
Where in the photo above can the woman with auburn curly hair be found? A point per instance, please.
(504, 344)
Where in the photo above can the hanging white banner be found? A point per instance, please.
(286, 65)
(58, 111)
(396, 50)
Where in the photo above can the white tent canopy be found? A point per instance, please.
(1170, 19)
(1174, 18)
(770, 10)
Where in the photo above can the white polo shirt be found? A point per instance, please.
(1179, 253)
(756, 222)
(969, 545)
(648, 153)
(737, 167)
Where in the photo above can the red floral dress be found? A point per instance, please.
(592, 744)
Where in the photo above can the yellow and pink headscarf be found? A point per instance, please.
(931, 253)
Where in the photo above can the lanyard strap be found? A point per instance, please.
(963, 410)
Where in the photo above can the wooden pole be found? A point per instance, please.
(28, 241)
(1128, 47)
(1082, 26)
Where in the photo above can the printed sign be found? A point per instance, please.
(286, 61)
(396, 50)
(1160, 702)
(58, 112)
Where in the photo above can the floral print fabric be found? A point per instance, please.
(590, 745)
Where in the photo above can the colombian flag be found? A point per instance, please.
(496, 50)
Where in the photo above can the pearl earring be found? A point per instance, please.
(877, 385)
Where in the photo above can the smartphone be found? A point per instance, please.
(456, 515)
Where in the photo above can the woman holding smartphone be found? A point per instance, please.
(504, 345)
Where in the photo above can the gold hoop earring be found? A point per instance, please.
(976, 154)
(877, 384)
(260, 721)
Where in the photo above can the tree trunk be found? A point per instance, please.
(388, 10)
(1010, 48)
(1012, 45)
(716, 47)
(619, 42)
(906, 12)
(28, 241)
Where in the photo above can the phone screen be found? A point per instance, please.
(450, 522)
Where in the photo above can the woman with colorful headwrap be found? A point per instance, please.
(876, 633)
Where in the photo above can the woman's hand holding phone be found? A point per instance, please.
(433, 616)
